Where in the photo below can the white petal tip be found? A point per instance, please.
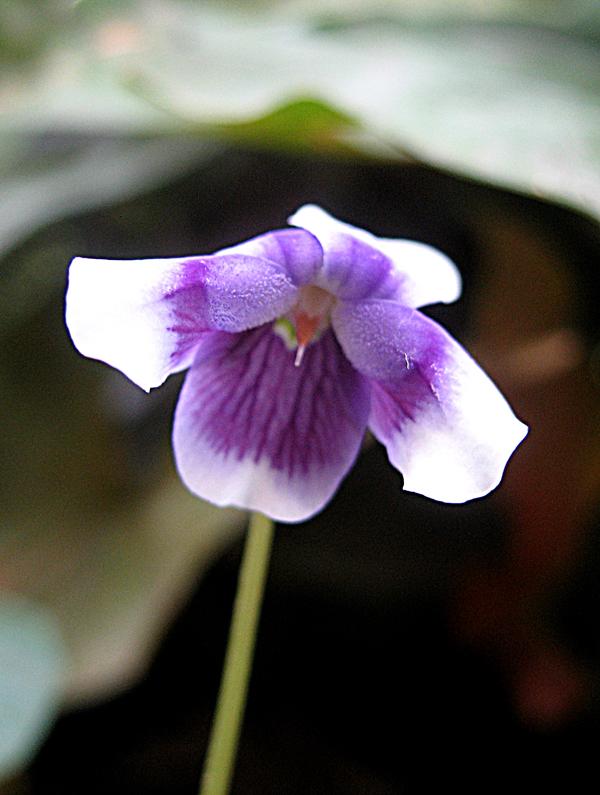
(446, 479)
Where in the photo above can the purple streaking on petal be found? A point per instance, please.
(146, 317)
(296, 251)
(412, 273)
(444, 423)
(254, 431)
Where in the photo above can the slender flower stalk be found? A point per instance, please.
(220, 757)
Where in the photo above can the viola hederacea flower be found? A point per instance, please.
(297, 341)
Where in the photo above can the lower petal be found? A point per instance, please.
(254, 431)
(445, 424)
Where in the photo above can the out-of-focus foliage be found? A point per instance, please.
(504, 92)
(32, 661)
(49, 180)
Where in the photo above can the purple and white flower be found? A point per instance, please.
(296, 341)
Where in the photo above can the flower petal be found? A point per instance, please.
(146, 317)
(297, 251)
(412, 273)
(446, 426)
(353, 268)
(253, 431)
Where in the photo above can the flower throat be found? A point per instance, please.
(306, 321)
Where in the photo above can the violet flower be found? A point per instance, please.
(298, 340)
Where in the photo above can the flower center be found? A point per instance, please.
(307, 321)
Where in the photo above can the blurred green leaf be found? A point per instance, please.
(322, 127)
(32, 668)
(517, 107)
(85, 174)
(572, 16)
(503, 92)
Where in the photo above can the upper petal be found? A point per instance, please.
(146, 317)
(296, 251)
(253, 431)
(446, 426)
(366, 266)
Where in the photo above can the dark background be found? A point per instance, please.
(405, 645)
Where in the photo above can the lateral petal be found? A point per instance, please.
(146, 317)
(445, 425)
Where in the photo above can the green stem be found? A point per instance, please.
(220, 757)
